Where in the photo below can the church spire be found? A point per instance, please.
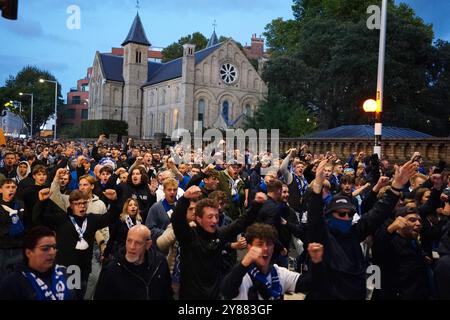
(213, 40)
(137, 33)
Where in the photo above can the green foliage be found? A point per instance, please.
(27, 81)
(326, 59)
(175, 50)
(93, 128)
(291, 119)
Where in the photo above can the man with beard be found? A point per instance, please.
(141, 273)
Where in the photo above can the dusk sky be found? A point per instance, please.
(40, 36)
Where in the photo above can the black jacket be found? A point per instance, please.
(140, 192)
(271, 213)
(403, 267)
(201, 253)
(121, 280)
(67, 236)
(342, 252)
(6, 240)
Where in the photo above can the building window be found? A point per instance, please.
(163, 122)
(201, 111)
(226, 111)
(151, 124)
(84, 114)
(175, 119)
(248, 110)
(71, 114)
(163, 97)
(76, 100)
(85, 87)
(137, 57)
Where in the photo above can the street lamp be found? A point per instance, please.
(372, 105)
(32, 100)
(56, 102)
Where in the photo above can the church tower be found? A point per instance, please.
(135, 74)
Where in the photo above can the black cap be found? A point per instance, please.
(339, 203)
(404, 211)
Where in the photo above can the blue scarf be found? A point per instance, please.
(263, 186)
(273, 287)
(58, 290)
(344, 226)
(302, 184)
(16, 227)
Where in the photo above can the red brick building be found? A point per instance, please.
(77, 102)
(256, 48)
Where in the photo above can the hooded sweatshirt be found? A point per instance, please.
(18, 176)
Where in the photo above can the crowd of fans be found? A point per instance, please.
(139, 223)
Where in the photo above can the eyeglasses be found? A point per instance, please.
(79, 204)
(47, 247)
(343, 214)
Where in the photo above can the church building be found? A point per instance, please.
(216, 86)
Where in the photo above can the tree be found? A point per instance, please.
(175, 50)
(292, 119)
(326, 60)
(27, 81)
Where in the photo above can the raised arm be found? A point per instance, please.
(287, 176)
(384, 207)
(180, 225)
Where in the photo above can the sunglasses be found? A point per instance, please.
(343, 214)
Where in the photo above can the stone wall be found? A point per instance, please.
(432, 149)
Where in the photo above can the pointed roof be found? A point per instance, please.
(213, 40)
(137, 33)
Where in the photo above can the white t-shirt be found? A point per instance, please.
(288, 280)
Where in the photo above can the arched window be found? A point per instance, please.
(201, 111)
(226, 111)
(163, 97)
(248, 110)
(151, 125)
(175, 119)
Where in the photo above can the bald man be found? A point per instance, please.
(141, 273)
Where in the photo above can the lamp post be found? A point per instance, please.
(372, 105)
(56, 102)
(32, 101)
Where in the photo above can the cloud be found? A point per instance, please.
(32, 29)
(11, 64)
(24, 28)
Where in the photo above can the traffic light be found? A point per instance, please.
(9, 9)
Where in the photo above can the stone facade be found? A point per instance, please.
(433, 150)
(200, 92)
